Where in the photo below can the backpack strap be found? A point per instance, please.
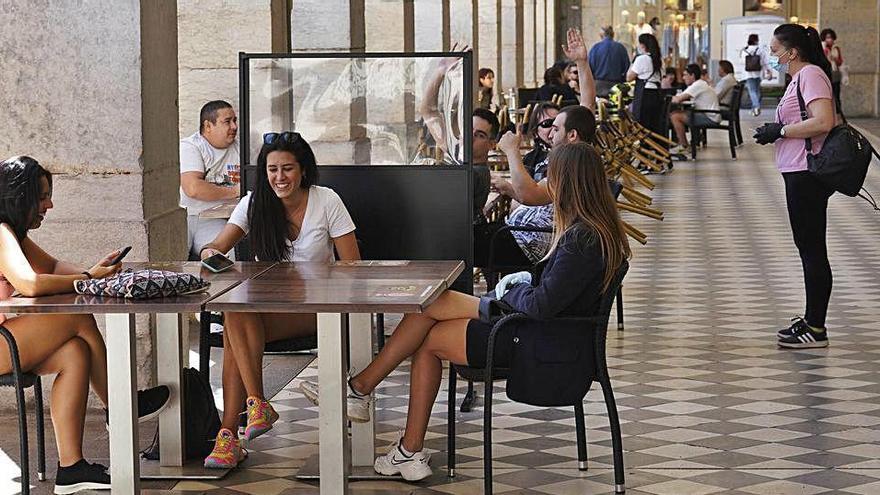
(808, 142)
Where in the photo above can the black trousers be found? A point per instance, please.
(507, 251)
(835, 89)
(651, 110)
(807, 200)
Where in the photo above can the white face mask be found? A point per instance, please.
(776, 65)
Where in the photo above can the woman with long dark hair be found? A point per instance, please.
(589, 244)
(289, 218)
(486, 91)
(68, 346)
(798, 51)
(647, 70)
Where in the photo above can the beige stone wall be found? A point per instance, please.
(210, 35)
(857, 24)
(91, 93)
(595, 14)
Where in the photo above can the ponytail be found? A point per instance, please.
(807, 42)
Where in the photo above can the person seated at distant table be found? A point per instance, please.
(703, 97)
(209, 163)
(726, 83)
(288, 218)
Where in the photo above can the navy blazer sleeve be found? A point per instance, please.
(573, 274)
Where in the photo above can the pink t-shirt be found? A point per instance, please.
(791, 155)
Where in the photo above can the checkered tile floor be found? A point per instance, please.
(708, 404)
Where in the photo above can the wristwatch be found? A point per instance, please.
(782, 131)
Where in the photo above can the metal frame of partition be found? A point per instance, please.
(404, 172)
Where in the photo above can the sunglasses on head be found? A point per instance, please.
(546, 123)
(285, 137)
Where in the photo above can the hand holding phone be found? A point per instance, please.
(119, 257)
(217, 263)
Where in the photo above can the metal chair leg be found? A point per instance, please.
(620, 309)
(487, 440)
(581, 435)
(205, 345)
(380, 330)
(467, 404)
(22, 418)
(731, 137)
(41, 431)
(616, 441)
(450, 423)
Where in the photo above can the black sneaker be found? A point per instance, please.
(797, 324)
(81, 476)
(803, 337)
(151, 402)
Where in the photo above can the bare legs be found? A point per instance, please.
(436, 335)
(679, 122)
(244, 339)
(71, 347)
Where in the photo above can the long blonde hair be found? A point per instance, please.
(579, 189)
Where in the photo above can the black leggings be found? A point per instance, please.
(807, 200)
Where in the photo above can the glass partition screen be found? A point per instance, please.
(361, 110)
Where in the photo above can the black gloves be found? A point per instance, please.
(768, 133)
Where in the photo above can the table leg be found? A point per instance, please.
(169, 362)
(335, 458)
(121, 387)
(363, 435)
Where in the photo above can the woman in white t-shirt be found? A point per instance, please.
(288, 218)
(646, 71)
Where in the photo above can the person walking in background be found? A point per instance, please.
(609, 62)
(757, 66)
(487, 88)
(798, 51)
(646, 71)
(835, 58)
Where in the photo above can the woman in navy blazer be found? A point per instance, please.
(589, 244)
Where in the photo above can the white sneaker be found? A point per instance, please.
(677, 150)
(413, 468)
(358, 405)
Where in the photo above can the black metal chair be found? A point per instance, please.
(731, 112)
(599, 325)
(21, 381)
(730, 124)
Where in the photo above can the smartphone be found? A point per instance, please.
(122, 254)
(217, 263)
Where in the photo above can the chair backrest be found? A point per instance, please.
(605, 307)
(736, 100)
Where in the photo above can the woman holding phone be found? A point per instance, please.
(68, 346)
(288, 218)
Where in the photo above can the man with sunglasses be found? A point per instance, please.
(209, 165)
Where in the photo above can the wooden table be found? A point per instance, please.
(343, 294)
(125, 469)
(223, 211)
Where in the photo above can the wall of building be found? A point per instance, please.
(91, 93)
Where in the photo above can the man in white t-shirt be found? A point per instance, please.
(703, 97)
(209, 167)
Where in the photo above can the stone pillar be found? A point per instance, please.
(550, 35)
(90, 92)
(488, 34)
(856, 24)
(510, 76)
(595, 14)
(384, 31)
(211, 33)
(540, 41)
(429, 27)
(333, 25)
(528, 44)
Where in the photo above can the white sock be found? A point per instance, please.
(403, 450)
(355, 392)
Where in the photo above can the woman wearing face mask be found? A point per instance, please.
(798, 51)
(288, 218)
(646, 71)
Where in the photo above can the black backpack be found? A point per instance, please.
(842, 164)
(200, 416)
(753, 61)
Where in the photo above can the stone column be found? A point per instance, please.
(429, 27)
(90, 92)
(856, 24)
(332, 25)
(595, 14)
(550, 36)
(510, 76)
(488, 34)
(540, 41)
(528, 44)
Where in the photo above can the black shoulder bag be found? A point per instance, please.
(843, 162)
